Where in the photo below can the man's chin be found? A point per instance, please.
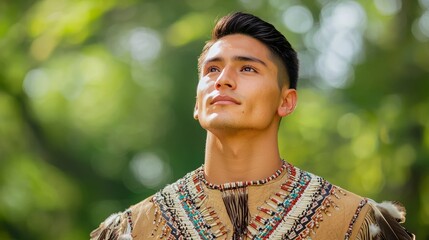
(219, 124)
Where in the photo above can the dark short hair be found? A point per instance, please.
(248, 24)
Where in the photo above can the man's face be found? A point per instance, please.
(238, 87)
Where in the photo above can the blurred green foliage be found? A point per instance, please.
(96, 101)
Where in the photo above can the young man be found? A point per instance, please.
(248, 75)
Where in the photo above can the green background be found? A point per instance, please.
(96, 101)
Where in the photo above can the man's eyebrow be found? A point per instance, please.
(249, 59)
(213, 59)
(236, 58)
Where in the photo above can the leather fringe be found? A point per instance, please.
(236, 204)
(367, 230)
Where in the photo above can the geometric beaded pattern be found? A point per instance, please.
(293, 212)
(241, 184)
(362, 203)
(180, 206)
(296, 208)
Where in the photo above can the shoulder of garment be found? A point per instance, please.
(127, 225)
(384, 221)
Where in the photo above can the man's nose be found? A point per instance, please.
(226, 79)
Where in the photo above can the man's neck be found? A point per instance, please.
(241, 157)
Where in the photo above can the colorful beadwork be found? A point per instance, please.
(293, 212)
(355, 216)
(129, 220)
(232, 185)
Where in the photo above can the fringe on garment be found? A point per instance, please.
(383, 222)
(237, 207)
(116, 227)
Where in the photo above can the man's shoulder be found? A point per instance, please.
(148, 204)
(360, 217)
(138, 218)
(337, 201)
(342, 195)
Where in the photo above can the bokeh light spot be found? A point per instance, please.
(365, 145)
(189, 28)
(424, 3)
(405, 155)
(36, 83)
(298, 19)
(143, 44)
(388, 7)
(149, 169)
(345, 15)
(424, 23)
(349, 125)
(333, 70)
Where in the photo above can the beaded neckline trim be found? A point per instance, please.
(293, 212)
(235, 185)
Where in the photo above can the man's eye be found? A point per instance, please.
(248, 69)
(212, 69)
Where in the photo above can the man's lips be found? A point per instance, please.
(223, 100)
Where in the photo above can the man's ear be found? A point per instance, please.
(196, 111)
(288, 101)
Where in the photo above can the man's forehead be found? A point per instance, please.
(237, 44)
